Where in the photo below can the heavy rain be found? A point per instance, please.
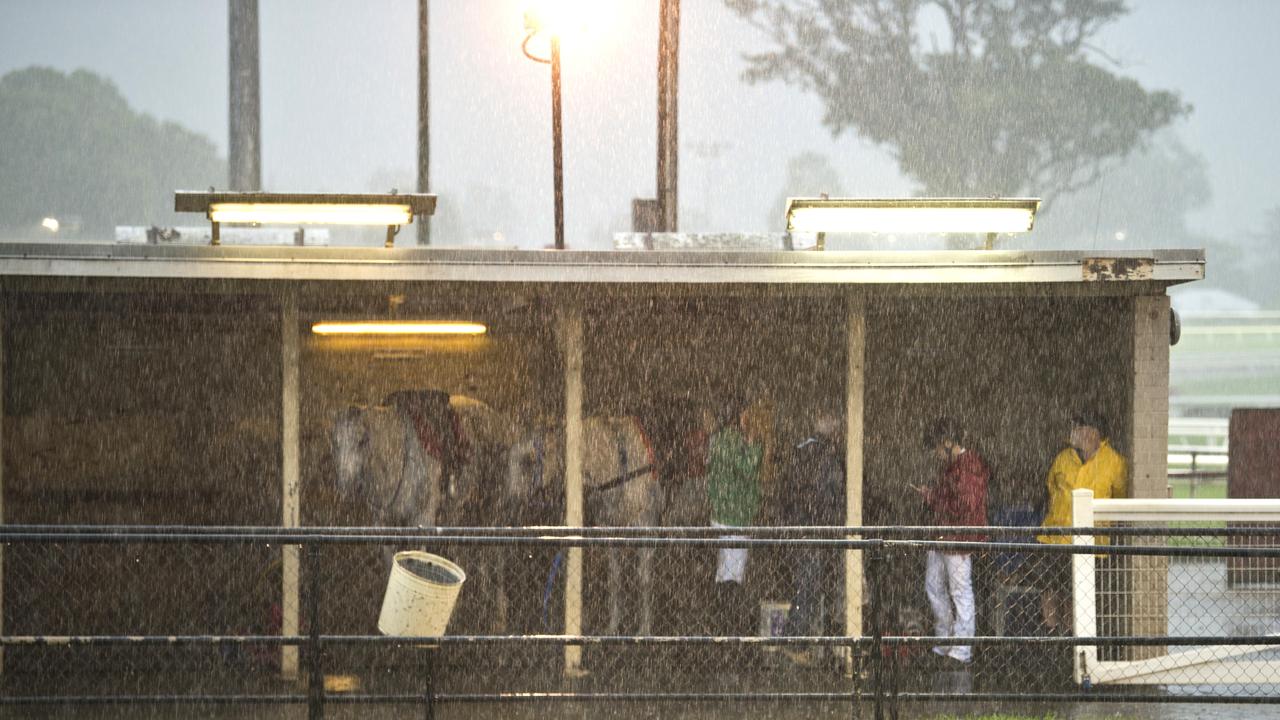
(659, 358)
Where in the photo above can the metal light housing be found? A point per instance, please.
(263, 208)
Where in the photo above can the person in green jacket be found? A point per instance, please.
(733, 485)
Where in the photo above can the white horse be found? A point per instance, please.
(419, 459)
(424, 459)
(621, 489)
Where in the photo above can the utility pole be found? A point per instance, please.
(557, 141)
(244, 144)
(668, 109)
(424, 118)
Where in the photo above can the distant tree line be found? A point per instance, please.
(72, 149)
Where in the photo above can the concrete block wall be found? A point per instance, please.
(1149, 442)
(1149, 469)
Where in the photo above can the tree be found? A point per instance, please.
(1011, 103)
(1140, 202)
(809, 174)
(72, 148)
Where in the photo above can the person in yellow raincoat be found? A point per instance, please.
(1089, 463)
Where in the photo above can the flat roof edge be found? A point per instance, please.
(603, 267)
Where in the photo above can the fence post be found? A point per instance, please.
(315, 689)
(875, 558)
(429, 712)
(1083, 586)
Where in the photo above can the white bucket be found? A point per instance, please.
(421, 592)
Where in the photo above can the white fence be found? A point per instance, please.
(1239, 664)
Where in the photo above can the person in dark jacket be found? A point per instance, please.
(959, 497)
(814, 495)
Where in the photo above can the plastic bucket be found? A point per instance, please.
(421, 593)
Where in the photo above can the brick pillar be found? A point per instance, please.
(1149, 469)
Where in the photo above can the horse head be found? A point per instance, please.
(535, 471)
(350, 440)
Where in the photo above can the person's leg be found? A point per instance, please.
(806, 569)
(935, 587)
(1055, 600)
(960, 584)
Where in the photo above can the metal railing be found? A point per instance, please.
(872, 666)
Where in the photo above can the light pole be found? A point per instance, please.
(534, 23)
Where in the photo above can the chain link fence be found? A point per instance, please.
(1190, 613)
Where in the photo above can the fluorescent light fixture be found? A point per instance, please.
(316, 214)
(397, 327)
(390, 209)
(50, 224)
(911, 215)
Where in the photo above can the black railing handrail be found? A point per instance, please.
(877, 542)
(587, 640)
(1238, 528)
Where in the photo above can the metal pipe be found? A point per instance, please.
(781, 532)
(557, 150)
(315, 644)
(244, 146)
(685, 697)
(424, 116)
(632, 640)
(668, 114)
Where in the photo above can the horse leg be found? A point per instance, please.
(646, 590)
(501, 602)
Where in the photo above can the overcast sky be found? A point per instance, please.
(339, 92)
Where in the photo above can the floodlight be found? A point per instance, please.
(988, 216)
(391, 210)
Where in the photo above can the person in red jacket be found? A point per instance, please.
(959, 497)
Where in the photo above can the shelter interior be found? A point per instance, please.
(158, 405)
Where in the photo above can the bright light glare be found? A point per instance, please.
(561, 18)
(448, 327)
(902, 216)
(50, 224)
(310, 213)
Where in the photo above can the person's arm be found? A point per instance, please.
(1048, 495)
(1120, 483)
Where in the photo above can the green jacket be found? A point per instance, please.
(733, 477)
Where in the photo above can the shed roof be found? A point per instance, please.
(964, 267)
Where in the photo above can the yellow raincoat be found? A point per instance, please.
(1106, 474)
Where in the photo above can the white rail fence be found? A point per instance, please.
(1233, 664)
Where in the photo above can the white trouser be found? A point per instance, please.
(731, 563)
(948, 581)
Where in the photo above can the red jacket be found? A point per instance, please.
(960, 495)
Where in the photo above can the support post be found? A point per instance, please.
(856, 332)
(875, 560)
(1147, 577)
(668, 113)
(3, 324)
(290, 495)
(424, 116)
(570, 336)
(557, 141)
(1084, 592)
(244, 146)
(315, 650)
